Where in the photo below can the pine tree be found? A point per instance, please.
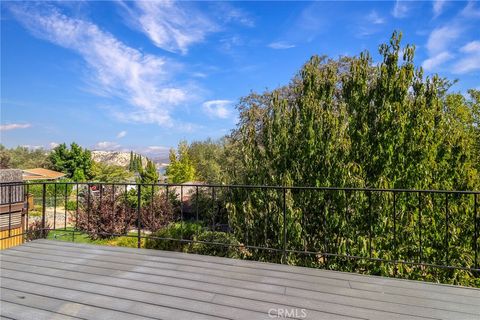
(149, 174)
(130, 163)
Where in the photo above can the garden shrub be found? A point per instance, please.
(71, 205)
(104, 215)
(177, 230)
(130, 242)
(227, 245)
(35, 230)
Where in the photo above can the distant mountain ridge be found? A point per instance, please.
(122, 158)
(118, 158)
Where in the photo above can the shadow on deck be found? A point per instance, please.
(48, 279)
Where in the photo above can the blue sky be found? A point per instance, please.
(144, 75)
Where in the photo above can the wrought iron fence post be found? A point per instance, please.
(476, 231)
(420, 225)
(55, 206)
(395, 253)
(44, 193)
(139, 206)
(66, 200)
(446, 230)
(28, 211)
(76, 214)
(9, 210)
(371, 224)
(284, 225)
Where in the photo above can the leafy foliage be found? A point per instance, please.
(104, 213)
(349, 123)
(220, 244)
(103, 172)
(36, 231)
(174, 231)
(149, 174)
(76, 162)
(22, 158)
(208, 158)
(181, 168)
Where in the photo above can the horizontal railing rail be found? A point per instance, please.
(333, 227)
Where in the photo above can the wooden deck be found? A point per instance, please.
(60, 280)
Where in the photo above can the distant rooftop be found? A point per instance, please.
(42, 174)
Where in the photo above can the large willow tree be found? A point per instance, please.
(353, 123)
(349, 122)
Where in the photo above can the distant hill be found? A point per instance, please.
(118, 158)
(122, 158)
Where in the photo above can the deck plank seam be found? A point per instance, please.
(246, 280)
(285, 289)
(213, 298)
(181, 257)
(50, 311)
(335, 303)
(71, 301)
(136, 300)
(175, 266)
(234, 262)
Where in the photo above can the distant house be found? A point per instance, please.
(41, 174)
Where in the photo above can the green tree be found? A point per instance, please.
(75, 162)
(103, 172)
(181, 168)
(130, 163)
(351, 123)
(22, 158)
(4, 157)
(149, 174)
(208, 158)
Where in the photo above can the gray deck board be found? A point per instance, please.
(47, 279)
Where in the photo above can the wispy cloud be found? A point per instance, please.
(170, 25)
(107, 146)
(229, 14)
(471, 61)
(121, 134)
(438, 6)
(278, 45)
(14, 126)
(440, 38)
(471, 10)
(434, 62)
(400, 9)
(375, 18)
(141, 80)
(217, 108)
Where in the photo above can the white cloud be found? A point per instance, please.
(375, 18)
(400, 9)
(217, 108)
(107, 146)
(52, 145)
(117, 70)
(170, 25)
(431, 63)
(121, 134)
(32, 147)
(471, 10)
(471, 61)
(278, 45)
(228, 13)
(438, 7)
(440, 38)
(14, 126)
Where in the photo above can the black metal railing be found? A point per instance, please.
(338, 228)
